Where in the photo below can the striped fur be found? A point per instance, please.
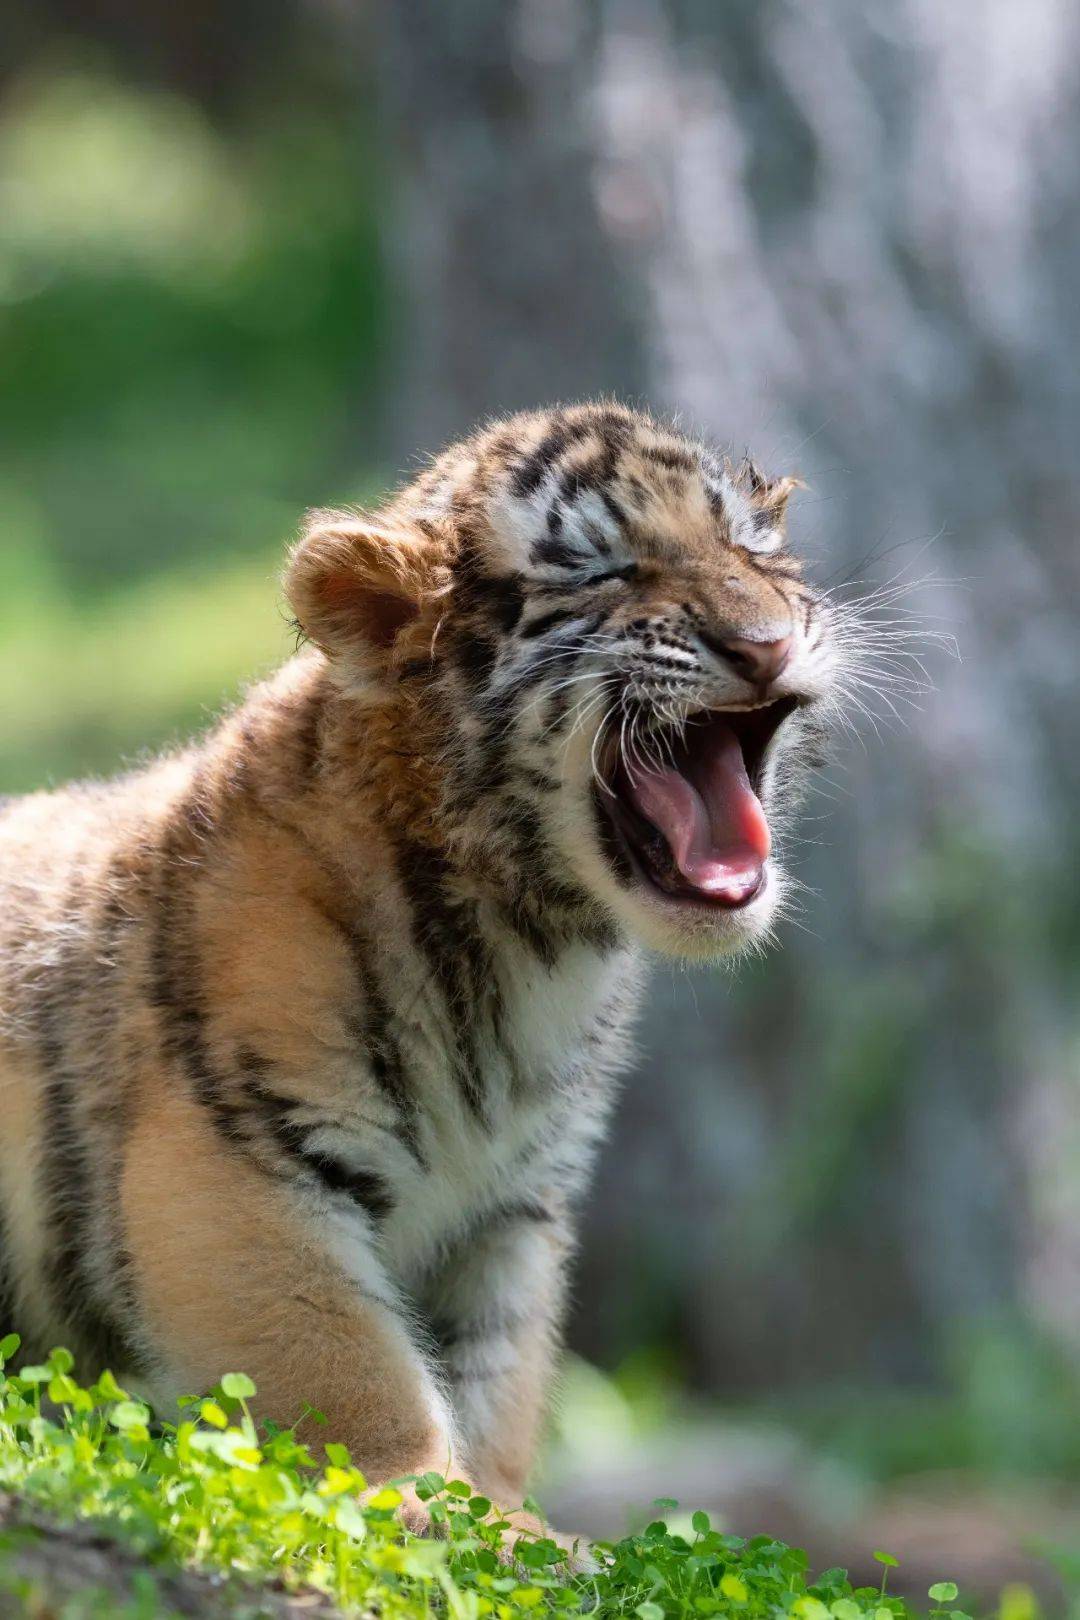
(309, 1032)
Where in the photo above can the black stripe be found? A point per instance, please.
(176, 979)
(308, 734)
(175, 976)
(523, 919)
(372, 1030)
(272, 1109)
(519, 819)
(364, 1187)
(68, 1194)
(490, 772)
(533, 468)
(539, 896)
(614, 428)
(596, 474)
(546, 592)
(488, 769)
(458, 957)
(522, 681)
(676, 460)
(558, 553)
(561, 703)
(761, 566)
(538, 665)
(522, 1211)
(597, 539)
(539, 781)
(101, 1011)
(494, 602)
(547, 621)
(476, 656)
(504, 598)
(574, 481)
(614, 510)
(778, 566)
(456, 1333)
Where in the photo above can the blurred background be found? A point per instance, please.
(258, 256)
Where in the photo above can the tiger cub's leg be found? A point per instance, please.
(228, 1275)
(495, 1311)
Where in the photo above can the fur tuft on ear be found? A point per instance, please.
(768, 495)
(761, 525)
(355, 583)
(775, 496)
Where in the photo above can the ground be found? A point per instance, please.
(106, 1512)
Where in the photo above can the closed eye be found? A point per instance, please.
(559, 616)
(627, 571)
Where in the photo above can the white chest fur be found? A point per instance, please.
(548, 1072)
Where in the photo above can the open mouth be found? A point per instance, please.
(683, 808)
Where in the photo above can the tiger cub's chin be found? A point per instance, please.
(308, 1032)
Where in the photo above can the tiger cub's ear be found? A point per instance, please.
(768, 494)
(355, 584)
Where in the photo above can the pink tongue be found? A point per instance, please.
(714, 825)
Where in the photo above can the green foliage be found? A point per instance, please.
(190, 315)
(1007, 1406)
(83, 690)
(212, 1493)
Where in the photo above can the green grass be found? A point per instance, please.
(83, 689)
(211, 1494)
(192, 315)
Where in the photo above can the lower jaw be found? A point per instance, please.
(693, 901)
(676, 898)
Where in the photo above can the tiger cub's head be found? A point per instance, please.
(610, 661)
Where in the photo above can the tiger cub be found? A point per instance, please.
(308, 1032)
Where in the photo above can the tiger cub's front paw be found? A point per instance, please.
(579, 1559)
(414, 1515)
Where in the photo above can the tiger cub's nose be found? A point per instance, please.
(759, 662)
